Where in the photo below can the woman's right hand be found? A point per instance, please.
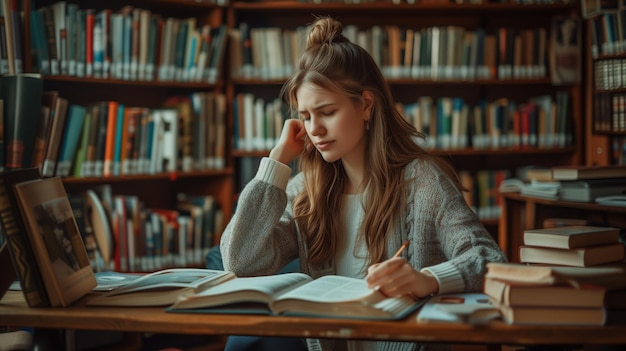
(291, 142)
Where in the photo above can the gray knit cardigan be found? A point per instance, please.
(447, 239)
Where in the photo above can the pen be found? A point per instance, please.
(404, 246)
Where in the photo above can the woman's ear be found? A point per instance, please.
(368, 103)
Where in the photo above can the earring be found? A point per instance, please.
(367, 125)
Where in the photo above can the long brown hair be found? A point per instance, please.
(333, 62)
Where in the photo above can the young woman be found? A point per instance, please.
(364, 187)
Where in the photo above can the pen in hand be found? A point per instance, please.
(397, 254)
(402, 248)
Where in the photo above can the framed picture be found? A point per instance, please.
(566, 50)
(55, 239)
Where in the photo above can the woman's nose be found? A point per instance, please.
(316, 126)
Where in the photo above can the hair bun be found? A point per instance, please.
(324, 30)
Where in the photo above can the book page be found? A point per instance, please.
(331, 288)
(245, 289)
(110, 280)
(342, 297)
(174, 278)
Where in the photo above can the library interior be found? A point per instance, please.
(130, 128)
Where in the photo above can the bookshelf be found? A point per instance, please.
(508, 84)
(605, 88)
(136, 86)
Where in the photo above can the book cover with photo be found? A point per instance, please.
(56, 241)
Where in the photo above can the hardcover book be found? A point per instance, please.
(517, 294)
(22, 256)
(578, 257)
(55, 240)
(590, 190)
(55, 137)
(297, 294)
(588, 172)
(71, 136)
(569, 237)
(612, 276)
(21, 117)
(528, 315)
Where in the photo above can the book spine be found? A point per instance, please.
(21, 251)
(21, 118)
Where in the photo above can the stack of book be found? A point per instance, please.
(567, 275)
(580, 246)
(557, 295)
(587, 183)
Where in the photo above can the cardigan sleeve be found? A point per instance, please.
(261, 237)
(454, 246)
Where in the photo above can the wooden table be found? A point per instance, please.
(14, 312)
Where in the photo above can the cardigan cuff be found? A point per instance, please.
(448, 276)
(273, 172)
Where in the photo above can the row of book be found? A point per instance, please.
(610, 74)
(609, 113)
(437, 52)
(608, 30)
(121, 234)
(482, 191)
(452, 123)
(447, 122)
(569, 275)
(130, 44)
(569, 183)
(108, 138)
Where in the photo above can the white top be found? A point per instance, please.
(351, 255)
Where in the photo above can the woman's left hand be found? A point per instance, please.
(396, 277)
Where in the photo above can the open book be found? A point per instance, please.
(160, 288)
(296, 294)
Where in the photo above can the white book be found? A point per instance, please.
(158, 144)
(259, 124)
(248, 113)
(98, 47)
(59, 10)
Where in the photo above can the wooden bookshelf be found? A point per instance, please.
(160, 190)
(154, 190)
(289, 15)
(605, 87)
